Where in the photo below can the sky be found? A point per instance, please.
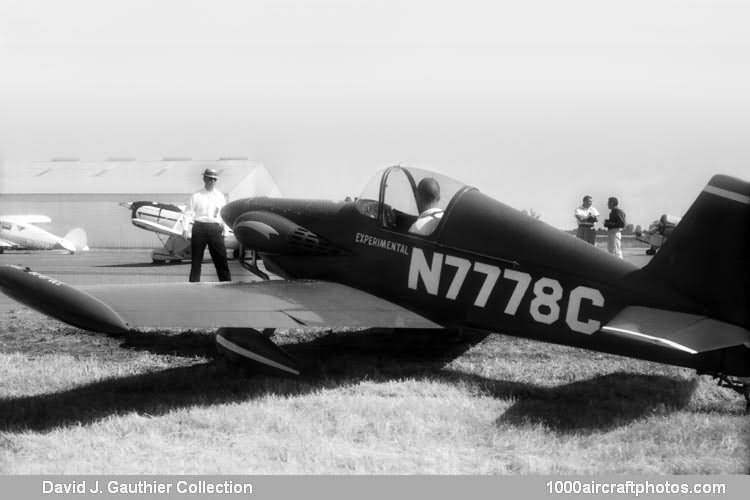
(534, 102)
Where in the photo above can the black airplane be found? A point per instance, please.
(423, 251)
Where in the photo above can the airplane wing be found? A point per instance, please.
(685, 332)
(26, 219)
(261, 304)
(6, 244)
(155, 228)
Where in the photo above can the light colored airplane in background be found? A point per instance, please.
(166, 221)
(658, 232)
(20, 231)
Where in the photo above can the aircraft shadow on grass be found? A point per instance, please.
(336, 360)
(600, 403)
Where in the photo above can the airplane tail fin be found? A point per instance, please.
(707, 257)
(76, 237)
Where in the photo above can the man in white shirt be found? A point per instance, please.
(586, 216)
(428, 194)
(208, 229)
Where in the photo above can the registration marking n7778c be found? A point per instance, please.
(543, 308)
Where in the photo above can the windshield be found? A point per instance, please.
(399, 195)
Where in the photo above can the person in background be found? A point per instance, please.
(586, 216)
(614, 225)
(208, 229)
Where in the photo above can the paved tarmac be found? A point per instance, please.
(134, 266)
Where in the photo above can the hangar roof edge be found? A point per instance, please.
(123, 176)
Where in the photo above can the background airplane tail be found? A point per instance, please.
(77, 236)
(707, 257)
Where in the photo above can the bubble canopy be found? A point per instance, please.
(394, 190)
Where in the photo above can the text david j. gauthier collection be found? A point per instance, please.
(195, 486)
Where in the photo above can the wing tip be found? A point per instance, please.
(59, 300)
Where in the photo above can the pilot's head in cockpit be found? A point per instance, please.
(428, 193)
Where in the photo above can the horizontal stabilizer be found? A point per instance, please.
(685, 332)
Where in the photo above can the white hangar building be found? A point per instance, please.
(88, 194)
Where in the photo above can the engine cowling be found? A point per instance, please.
(267, 232)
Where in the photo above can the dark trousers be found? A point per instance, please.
(212, 235)
(587, 233)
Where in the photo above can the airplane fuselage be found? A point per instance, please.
(31, 237)
(489, 267)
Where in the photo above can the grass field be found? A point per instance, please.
(158, 402)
